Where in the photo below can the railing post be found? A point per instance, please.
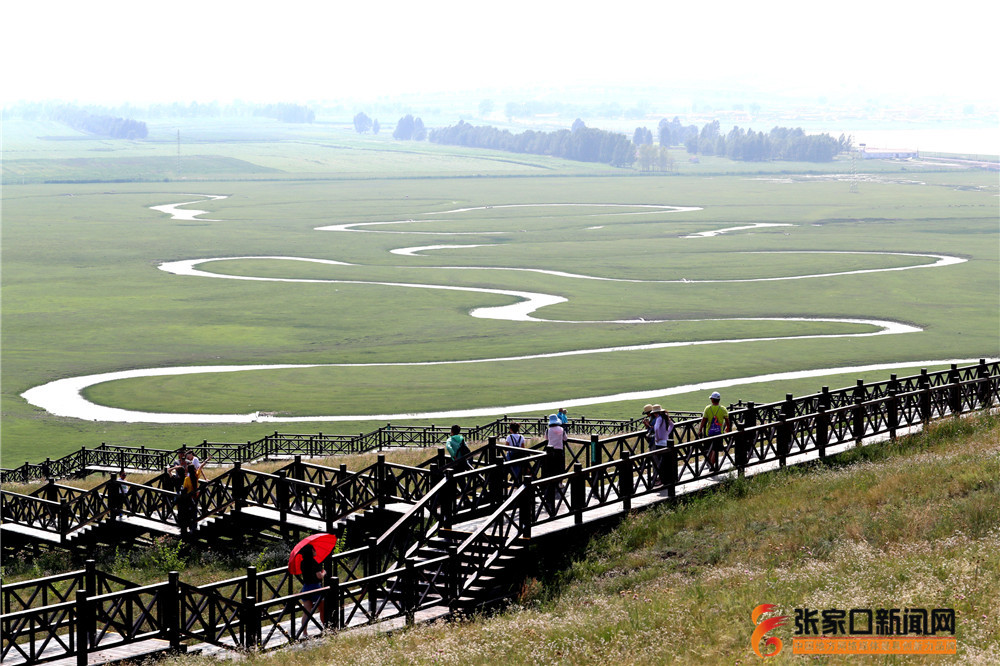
(595, 450)
(250, 620)
(858, 419)
(380, 484)
(527, 506)
(239, 487)
(282, 493)
(788, 408)
(171, 619)
(924, 382)
(250, 583)
(893, 412)
(742, 450)
(576, 493)
(983, 388)
(750, 419)
(371, 568)
(955, 391)
(496, 480)
(334, 604)
(625, 481)
(671, 467)
(822, 431)
(784, 440)
(859, 390)
(83, 621)
(491, 446)
(328, 508)
(90, 578)
(410, 596)
(448, 499)
(454, 577)
(63, 520)
(825, 399)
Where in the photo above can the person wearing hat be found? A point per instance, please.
(555, 457)
(647, 423)
(716, 417)
(563, 416)
(662, 428)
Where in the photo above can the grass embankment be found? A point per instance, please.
(911, 524)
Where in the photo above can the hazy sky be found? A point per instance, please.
(140, 51)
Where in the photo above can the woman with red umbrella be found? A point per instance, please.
(304, 561)
(312, 577)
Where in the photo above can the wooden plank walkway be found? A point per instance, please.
(138, 651)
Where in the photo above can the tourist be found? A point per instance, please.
(662, 428)
(192, 459)
(178, 470)
(458, 449)
(312, 577)
(187, 510)
(563, 416)
(555, 457)
(647, 424)
(716, 417)
(515, 439)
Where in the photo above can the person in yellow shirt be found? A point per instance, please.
(716, 417)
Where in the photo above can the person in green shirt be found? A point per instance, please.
(716, 417)
(457, 448)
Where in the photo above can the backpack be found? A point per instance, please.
(715, 428)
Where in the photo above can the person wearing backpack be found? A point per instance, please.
(716, 417)
(458, 449)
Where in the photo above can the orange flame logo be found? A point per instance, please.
(764, 627)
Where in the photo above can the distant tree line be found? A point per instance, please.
(286, 113)
(110, 126)
(781, 143)
(581, 143)
(410, 129)
(363, 124)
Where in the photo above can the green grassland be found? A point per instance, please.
(82, 293)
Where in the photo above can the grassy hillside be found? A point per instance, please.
(912, 524)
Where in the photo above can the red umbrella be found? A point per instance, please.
(323, 544)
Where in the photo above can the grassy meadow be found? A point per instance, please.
(82, 293)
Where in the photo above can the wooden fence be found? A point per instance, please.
(464, 527)
(276, 446)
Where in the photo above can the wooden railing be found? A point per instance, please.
(385, 578)
(276, 446)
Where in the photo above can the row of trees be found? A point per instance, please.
(363, 124)
(410, 129)
(781, 143)
(110, 126)
(580, 143)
